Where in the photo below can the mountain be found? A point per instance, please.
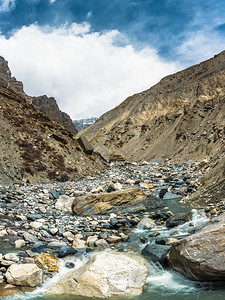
(34, 147)
(82, 124)
(181, 118)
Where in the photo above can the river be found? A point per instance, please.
(161, 283)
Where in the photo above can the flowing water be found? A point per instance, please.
(161, 283)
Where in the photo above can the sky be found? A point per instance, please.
(92, 54)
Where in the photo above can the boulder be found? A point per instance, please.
(146, 223)
(48, 262)
(156, 252)
(201, 256)
(66, 250)
(104, 275)
(116, 157)
(78, 242)
(19, 243)
(84, 143)
(64, 204)
(129, 200)
(25, 274)
(177, 219)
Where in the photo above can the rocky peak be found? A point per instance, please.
(49, 107)
(6, 76)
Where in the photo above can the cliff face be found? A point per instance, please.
(49, 107)
(180, 118)
(7, 80)
(33, 147)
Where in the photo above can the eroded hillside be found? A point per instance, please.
(35, 148)
(180, 118)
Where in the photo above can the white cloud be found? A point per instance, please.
(52, 1)
(87, 72)
(7, 5)
(200, 45)
(89, 15)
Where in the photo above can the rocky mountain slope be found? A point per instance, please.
(49, 107)
(46, 105)
(33, 147)
(180, 118)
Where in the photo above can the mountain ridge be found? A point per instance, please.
(181, 118)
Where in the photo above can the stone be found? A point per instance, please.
(78, 242)
(171, 196)
(53, 230)
(65, 251)
(146, 186)
(11, 256)
(25, 275)
(64, 204)
(68, 235)
(85, 145)
(146, 223)
(70, 265)
(56, 244)
(40, 247)
(105, 275)
(177, 219)
(155, 252)
(54, 194)
(91, 241)
(201, 256)
(101, 243)
(116, 157)
(130, 200)
(19, 243)
(3, 233)
(170, 241)
(113, 239)
(36, 224)
(29, 237)
(11, 232)
(7, 263)
(47, 262)
(34, 217)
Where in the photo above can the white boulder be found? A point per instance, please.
(64, 204)
(104, 275)
(25, 275)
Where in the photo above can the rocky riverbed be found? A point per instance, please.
(38, 226)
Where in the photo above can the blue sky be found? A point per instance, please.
(91, 54)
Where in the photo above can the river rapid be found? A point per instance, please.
(161, 283)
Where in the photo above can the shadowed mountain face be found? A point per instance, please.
(33, 147)
(49, 107)
(180, 118)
